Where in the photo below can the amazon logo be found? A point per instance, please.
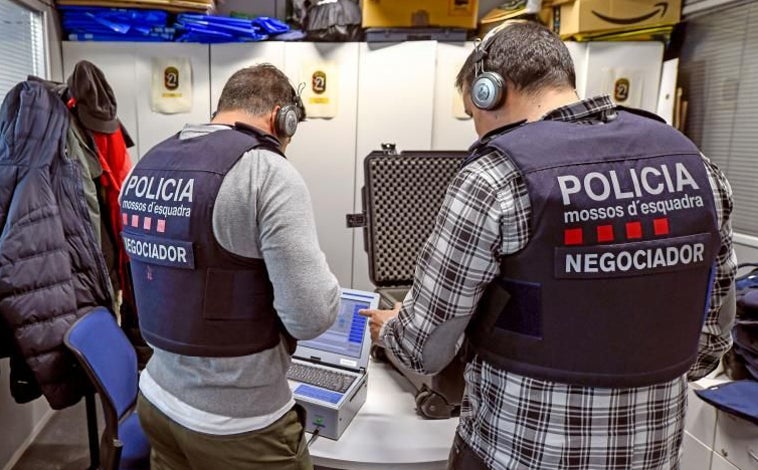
(659, 8)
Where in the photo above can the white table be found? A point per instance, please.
(387, 433)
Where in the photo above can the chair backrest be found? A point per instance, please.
(107, 356)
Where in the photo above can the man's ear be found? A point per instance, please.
(272, 120)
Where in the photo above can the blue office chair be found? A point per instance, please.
(109, 360)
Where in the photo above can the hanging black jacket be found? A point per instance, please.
(51, 271)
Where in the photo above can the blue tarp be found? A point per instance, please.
(209, 28)
(737, 398)
(123, 24)
(115, 24)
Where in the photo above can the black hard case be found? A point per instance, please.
(402, 195)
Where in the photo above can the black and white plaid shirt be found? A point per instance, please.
(517, 422)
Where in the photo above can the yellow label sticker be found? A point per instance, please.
(621, 90)
(318, 82)
(171, 78)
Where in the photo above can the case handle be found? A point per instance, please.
(355, 220)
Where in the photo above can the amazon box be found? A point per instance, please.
(409, 13)
(571, 17)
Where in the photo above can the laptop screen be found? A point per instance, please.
(345, 337)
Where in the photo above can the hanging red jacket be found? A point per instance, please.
(114, 158)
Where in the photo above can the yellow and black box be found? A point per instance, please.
(570, 17)
(409, 13)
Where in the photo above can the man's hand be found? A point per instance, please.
(377, 318)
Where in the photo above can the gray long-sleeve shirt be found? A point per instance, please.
(263, 210)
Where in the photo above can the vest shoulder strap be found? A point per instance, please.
(264, 139)
(641, 112)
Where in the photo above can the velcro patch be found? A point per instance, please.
(633, 259)
(162, 251)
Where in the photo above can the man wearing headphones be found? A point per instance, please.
(577, 251)
(228, 275)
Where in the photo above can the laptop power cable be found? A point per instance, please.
(313, 437)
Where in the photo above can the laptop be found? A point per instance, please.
(328, 373)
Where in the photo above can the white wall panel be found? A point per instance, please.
(323, 150)
(156, 127)
(450, 132)
(401, 93)
(395, 103)
(597, 63)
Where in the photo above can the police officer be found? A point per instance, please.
(577, 250)
(228, 274)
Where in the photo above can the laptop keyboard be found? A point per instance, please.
(305, 390)
(328, 379)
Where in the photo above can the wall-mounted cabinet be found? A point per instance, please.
(323, 149)
(401, 93)
(451, 128)
(628, 71)
(395, 105)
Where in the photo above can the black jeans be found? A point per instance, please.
(462, 457)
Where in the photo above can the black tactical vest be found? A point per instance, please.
(194, 297)
(612, 288)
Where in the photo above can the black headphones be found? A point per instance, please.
(488, 88)
(290, 115)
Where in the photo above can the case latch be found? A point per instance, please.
(355, 220)
(389, 148)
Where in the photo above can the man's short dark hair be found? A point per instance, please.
(526, 54)
(257, 90)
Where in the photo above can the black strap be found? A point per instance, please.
(267, 140)
(481, 146)
(641, 112)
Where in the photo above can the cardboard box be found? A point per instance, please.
(546, 15)
(409, 13)
(506, 11)
(584, 16)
